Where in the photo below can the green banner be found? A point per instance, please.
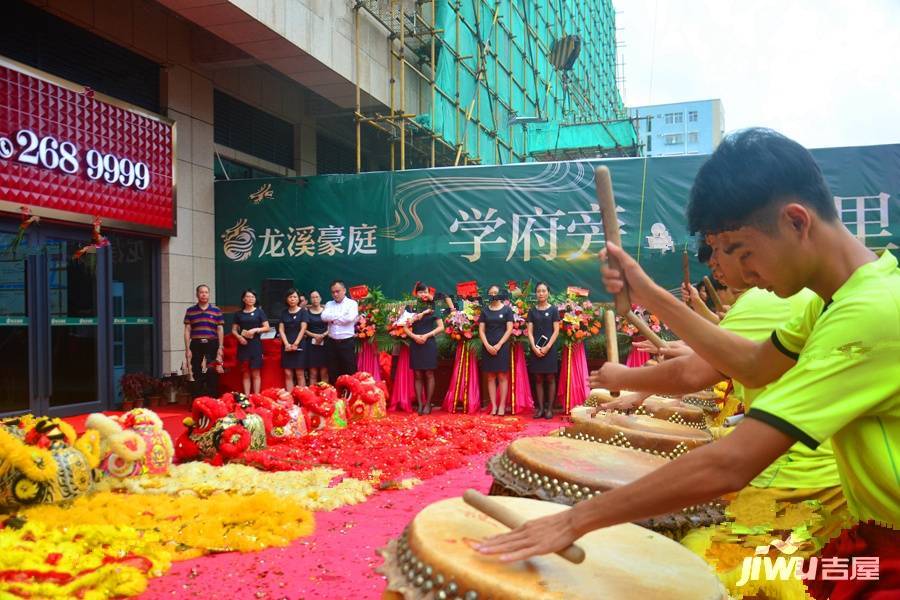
(535, 221)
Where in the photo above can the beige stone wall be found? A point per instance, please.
(325, 30)
(187, 98)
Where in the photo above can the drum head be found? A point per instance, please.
(646, 425)
(625, 561)
(598, 467)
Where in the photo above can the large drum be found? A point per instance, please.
(564, 470)
(434, 559)
(705, 400)
(638, 432)
(658, 407)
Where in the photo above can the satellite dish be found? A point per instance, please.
(564, 52)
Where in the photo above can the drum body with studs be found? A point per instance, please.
(639, 432)
(705, 400)
(564, 470)
(434, 558)
(658, 407)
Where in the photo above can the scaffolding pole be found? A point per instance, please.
(465, 128)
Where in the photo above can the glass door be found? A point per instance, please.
(74, 345)
(15, 343)
(52, 330)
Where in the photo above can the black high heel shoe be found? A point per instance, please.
(427, 410)
(548, 413)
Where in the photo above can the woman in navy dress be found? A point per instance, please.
(291, 329)
(423, 351)
(495, 328)
(543, 329)
(314, 340)
(248, 323)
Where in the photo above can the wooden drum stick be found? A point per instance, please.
(607, 203)
(612, 342)
(498, 512)
(717, 302)
(644, 329)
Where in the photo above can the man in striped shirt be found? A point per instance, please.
(204, 330)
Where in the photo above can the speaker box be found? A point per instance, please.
(272, 300)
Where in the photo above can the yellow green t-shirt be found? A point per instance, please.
(846, 386)
(755, 315)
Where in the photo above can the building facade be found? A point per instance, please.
(694, 127)
(123, 113)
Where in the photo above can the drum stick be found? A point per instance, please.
(498, 512)
(612, 342)
(644, 329)
(686, 267)
(607, 203)
(717, 302)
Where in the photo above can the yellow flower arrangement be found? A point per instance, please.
(115, 533)
(311, 489)
(75, 555)
(187, 526)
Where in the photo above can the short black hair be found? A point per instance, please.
(339, 282)
(752, 170)
(541, 283)
(202, 285)
(704, 253)
(420, 287)
(290, 292)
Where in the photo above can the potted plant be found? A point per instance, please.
(154, 390)
(132, 386)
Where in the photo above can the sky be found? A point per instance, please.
(823, 72)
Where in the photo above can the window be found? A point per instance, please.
(43, 41)
(649, 143)
(679, 117)
(693, 115)
(240, 126)
(670, 118)
(693, 137)
(674, 117)
(677, 138)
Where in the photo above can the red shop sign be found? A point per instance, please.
(70, 154)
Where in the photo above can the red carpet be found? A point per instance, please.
(338, 560)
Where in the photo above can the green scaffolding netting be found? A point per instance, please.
(493, 66)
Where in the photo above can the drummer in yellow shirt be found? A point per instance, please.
(800, 473)
(767, 201)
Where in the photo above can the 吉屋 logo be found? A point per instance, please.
(237, 241)
(785, 567)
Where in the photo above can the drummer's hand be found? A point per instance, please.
(670, 350)
(624, 403)
(607, 376)
(641, 288)
(690, 295)
(540, 536)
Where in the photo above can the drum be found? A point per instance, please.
(564, 470)
(705, 400)
(659, 407)
(433, 558)
(640, 432)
